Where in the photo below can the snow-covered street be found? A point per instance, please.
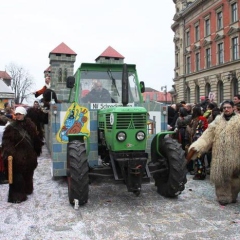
(114, 213)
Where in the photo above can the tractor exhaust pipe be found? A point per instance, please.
(125, 85)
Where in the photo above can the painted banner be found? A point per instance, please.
(76, 121)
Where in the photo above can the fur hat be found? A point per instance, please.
(20, 110)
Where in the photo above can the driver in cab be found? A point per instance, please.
(98, 95)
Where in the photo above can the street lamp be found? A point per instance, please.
(164, 89)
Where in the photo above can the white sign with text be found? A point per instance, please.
(108, 105)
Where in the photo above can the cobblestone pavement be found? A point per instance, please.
(114, 213)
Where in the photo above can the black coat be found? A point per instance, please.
(21, 141)
(171, 114)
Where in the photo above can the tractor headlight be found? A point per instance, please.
(140, 136)
(121, 136)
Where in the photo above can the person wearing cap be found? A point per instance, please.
(222, 135)
(21, 141)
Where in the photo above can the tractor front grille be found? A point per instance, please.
(101, 125)
(131, 120)
(108, 125)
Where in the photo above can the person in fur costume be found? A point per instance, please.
(20, 140)
(39, 118)
(222, 135)
(3, 122)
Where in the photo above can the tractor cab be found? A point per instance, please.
(101, 85)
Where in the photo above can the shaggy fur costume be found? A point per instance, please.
(39, 118)
(3, 122)
(20, 140)
(223, 137)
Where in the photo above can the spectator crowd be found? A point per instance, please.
(189, 121)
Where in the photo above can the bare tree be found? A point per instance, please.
(21, 82)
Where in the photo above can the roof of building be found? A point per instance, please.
(148, 89)
(63, 49)
(157, 96)
(110, 52)
(5, 75)
(48, 69)
(4, 88)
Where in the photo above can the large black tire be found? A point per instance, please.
(171, 182)
(78, 180)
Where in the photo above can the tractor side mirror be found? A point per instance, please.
(142, 87)
(70, 82)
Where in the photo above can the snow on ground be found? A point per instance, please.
(113, 213)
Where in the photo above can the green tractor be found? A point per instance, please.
(113, 133)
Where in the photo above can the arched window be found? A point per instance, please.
(65, 75)
(60, 75)
(197, 94)
(188, 94)
(234, 86)
(207, 89)
(220, 91)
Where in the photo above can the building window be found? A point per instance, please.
(65, 75)
(219, 20)
(234, 12)
(208, 57)
(207, 89)
(235, 48)
(59, 75)
(220, 53)
(207, 27)
(197, 35)
(188, 97)
(197, 94)
(187, 38)
(188, 65)
(197, 61)
(234, 86)
(220, 91)
(177, 60)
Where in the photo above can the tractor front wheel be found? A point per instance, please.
(171, 183)
(78, 179)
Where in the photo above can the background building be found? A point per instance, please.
(151, 94)
(6, 93)
(206, 49)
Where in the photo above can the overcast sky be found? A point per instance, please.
(139, 30)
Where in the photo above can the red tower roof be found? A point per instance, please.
(110, 52)
(48, 69)
(63, 48)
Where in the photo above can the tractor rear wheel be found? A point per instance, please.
(78, 179)
(171, 182)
